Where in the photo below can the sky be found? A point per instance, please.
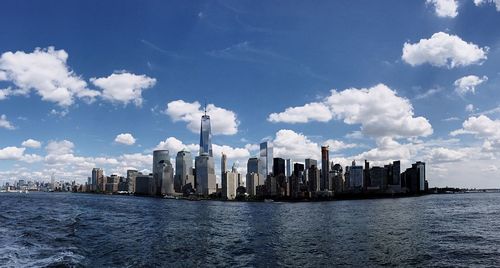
(88, 84)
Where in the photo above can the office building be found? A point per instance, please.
(159, 158)
(97, 182)
(183, 170)
(355, 176)
(205, 135)
(325, 165)
(266, 157)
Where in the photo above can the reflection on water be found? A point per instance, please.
(50, 229)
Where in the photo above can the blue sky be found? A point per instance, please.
(413, 80)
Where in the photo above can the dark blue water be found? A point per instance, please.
(64, 229)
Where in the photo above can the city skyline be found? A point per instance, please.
(79, 92)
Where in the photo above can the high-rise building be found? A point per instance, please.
(366, 175)
(183, 170)
(288, 167)
(97, 177)
(205, 175)
(223, 164)
(325, 165)
(266, 156)
(355, 175)
(230, 183)
(253, 165)
(131, 175)
(396, 173)
(338, 178)
(204, 163)
(308, 164)
(278, 167)
(314, 178)
(159, 158)
(166, 177)
(205, 135)
(252, 181)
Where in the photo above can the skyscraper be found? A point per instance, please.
(223, 164)
(288, 167)
(205, 135)
(253, 165)
(159, 157)
(325, 165)
(97, 176)
(266, 156)
(204, 163)
(183, 170)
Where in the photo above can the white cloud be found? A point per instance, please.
(445, 8)
(11, 153)
(441, 155)
(378, 109)
(45, 71)
(125, 138)
(314, 111)
(469, 108)
(442, 50)
(222, 121)
(173, 145)
(231, 152)
(481, 126)
(4, 123)
(481, 2)
(31, 158)
(59, 147)
(4, 93)
(336, 145)
(468, 84)
(297, 146)
(31, 143)
(124, 87)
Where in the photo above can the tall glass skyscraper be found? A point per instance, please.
(204, 163)
(266, 157)
(183, 170)
(205, 135)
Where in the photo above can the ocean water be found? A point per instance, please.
(85, 230)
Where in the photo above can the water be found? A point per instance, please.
(64, 229)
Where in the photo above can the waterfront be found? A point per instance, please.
(50, 229)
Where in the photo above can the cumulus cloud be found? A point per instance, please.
(441, 155)
(11, 153)
(293, 145)
(174, 145)
(59, 147)
(31, 143)
(481, 2)
(468, 84)
(481, 126)
(445, 8)
(310, 112)
(443, 50)
(336, 145)
(4, 123)
(46, 72)
(222, 121)
(378, 110)
(125, 138)
(124, 87)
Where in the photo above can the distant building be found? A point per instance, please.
(131, 175)
(325, 164)
(355, 176)
(159, 158)
(308, 164)
(413, 179)
(266, 157)
(183, 170)
(145, 185)
(230, 182)
(253, 180)
(288, 167)
(206, 181)
(338, 178)
(314, 179)
(97, 181)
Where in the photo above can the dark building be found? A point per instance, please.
(145, 185)
(296, 179)
(278, 167)
(314, 179)
(325, 174)
(366, 175)
(413, 179)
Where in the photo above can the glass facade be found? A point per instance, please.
(205, 136)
